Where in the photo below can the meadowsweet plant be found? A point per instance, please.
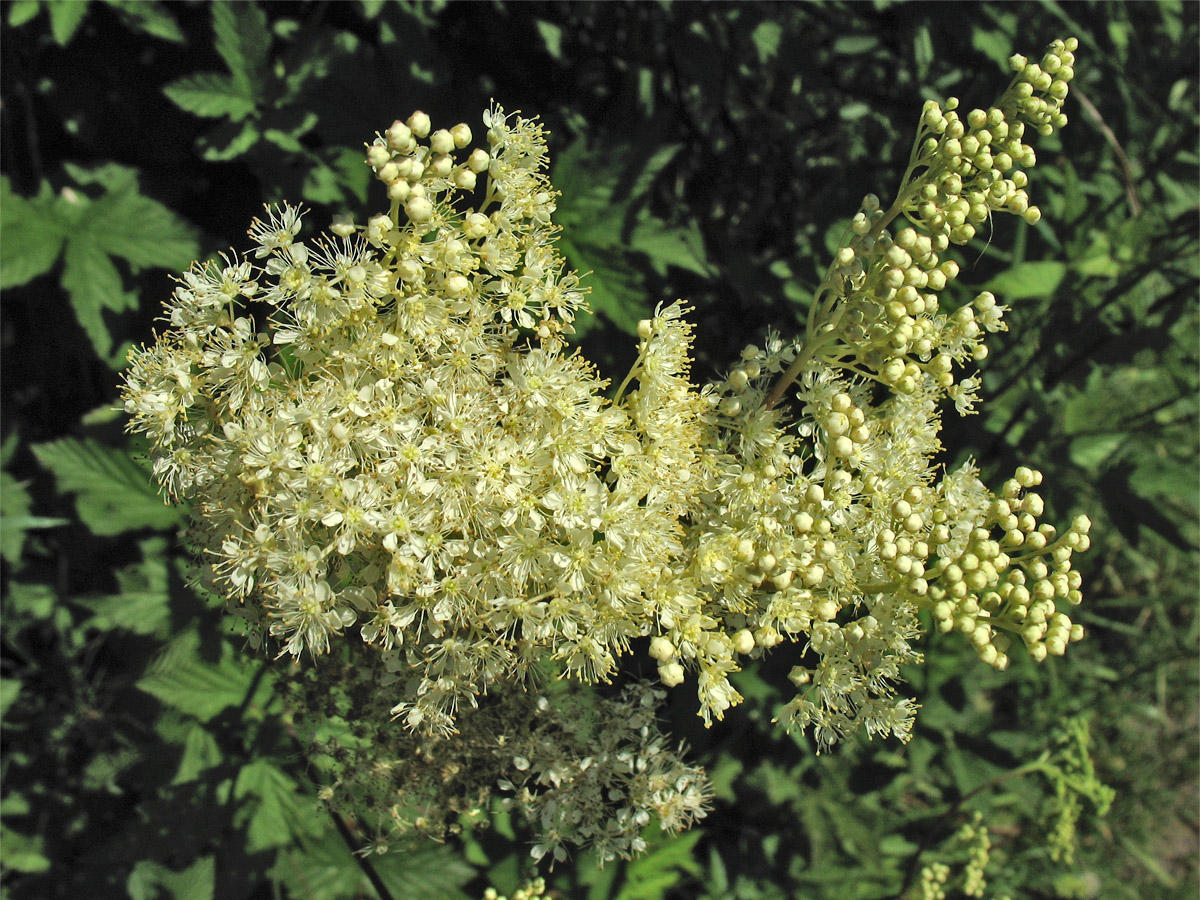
(404, 478)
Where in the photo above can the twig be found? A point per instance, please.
(363, 863)
(1135, 206)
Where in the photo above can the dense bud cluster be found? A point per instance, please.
(401, 461)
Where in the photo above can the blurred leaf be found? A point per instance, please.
(23, 852)
(21, 12)
(1091, 451)
(1025, 280)
(855, 44)
(142, 606)
(65, 17)
(425, 873)
(242, 39)
(10, 689)
(103, 769)
(200, 753)
(649, 876)
(551, 37)
(180, 678)
(197, 882)
(668, 246)
(229, 140)
(114, 494)
(766, 37)
(15, 519)
(150, 18)
(210, 95)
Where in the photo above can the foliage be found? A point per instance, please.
(716, 153)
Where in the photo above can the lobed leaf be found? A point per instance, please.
(114, 494)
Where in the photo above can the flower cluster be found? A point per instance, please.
(390, 452)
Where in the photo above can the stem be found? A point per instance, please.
(363, 863)
(633, 372)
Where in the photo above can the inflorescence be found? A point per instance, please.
(391, 453)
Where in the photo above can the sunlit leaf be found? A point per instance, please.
(199, 687)
(31, 235)
(282, 812)
(1040, 278)
(211, 95)
(149, 879)
(242, 39)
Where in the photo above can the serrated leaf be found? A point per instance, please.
(148, 879)
(282, 814)
(31, 236)
(210, 95)
(129, 225)
(1040, 278)
(434, 874)
(148, 18)
(94, 285)
(199, 687)
(322, 869)
(200, 753)
(143, 605)
(667, 246)
(241, 37)
(65, 18)
(114, 494)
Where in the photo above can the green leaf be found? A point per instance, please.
(65, 18)
(230, 140)
(10, 689)
(242, 39)
(766, 37)
(200, 753)
(180, 678)
(1089, 452)
(283, 813)
(649, 876)
(551, 35)
(94, 285)
(21, 12)
(210, 95)
(120, 223)
(126, 224)
(149, 878)
(103, 769)
(1025, 280)
(23, 852)
(434, 874)
(31, 235)
(114, 494)
(667, 246)
(143, 605)
(148, 18)
(15, 519)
